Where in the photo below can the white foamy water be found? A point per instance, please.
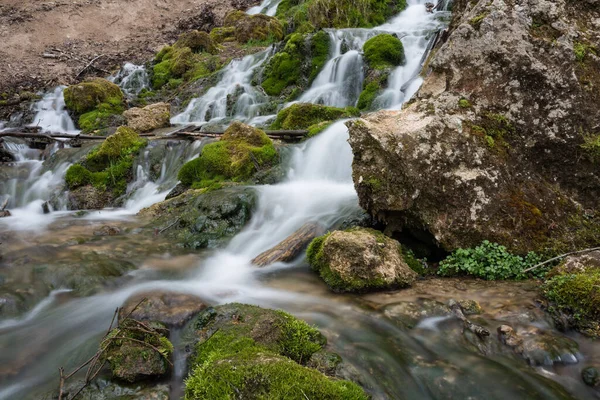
(132, 79)
(51, 114)
(267, 7)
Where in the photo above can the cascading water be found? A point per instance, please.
(51, 114)
(267, 7)
(132, 79)
(233, 97)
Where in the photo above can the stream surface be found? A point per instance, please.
(394, 347)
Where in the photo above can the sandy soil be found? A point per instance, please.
(43, 44)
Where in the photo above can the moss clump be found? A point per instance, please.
(223, 34)
(241, 152)
(319, 43)
(296, 65)
(384, 51)
(108, 167)
(591, 145)
(237, 367)
(475, 22)
(581, 50)
(338, 13)
(88, 95)
(368, 95)
(576, 295)
(192, 57)
(305, 115)
(464, 103)
(257, 27)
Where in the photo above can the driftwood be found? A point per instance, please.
(479, 330)
(291, 246)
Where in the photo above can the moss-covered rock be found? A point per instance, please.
(307, 115)
(573, 291)
(257, 351)
(197, 42)
(137, 351)
(107, 168)
(242, 151)
(359, 260)
(88, 95)
(375, 82)
(257, 27)
(338, 14)
(98, 104)
(204, 218)
(296, 65)
(223, 34)
(383, 51)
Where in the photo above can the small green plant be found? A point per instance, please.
(577, 294)
(489, 261)
(464, 103)
(591, 145)
(581, 50)
(476, 21)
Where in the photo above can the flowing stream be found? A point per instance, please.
(433, 360)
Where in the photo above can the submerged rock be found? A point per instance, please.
(591, 376)
(359, 260)
(478, 154)
(169, 308)
(153, 116)
(201, 218)
(105, 389)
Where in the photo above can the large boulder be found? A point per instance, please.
(500, 142)
(153, 116)
(359, 260)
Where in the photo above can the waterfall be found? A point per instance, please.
(233, 97)
(267, 7)
(132, 79)
(51, 114)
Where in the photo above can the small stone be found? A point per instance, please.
(107, 230)
(591, 376)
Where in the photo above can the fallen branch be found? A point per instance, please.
(88, 65)
(170, 225)
(561, 256)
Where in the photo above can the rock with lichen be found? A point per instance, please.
(153, 116)
(359, 260)
(169, 308)
(501, 142)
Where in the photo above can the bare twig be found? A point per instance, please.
(171, 225)
(62, 383)
(561, 256)
(88, 65)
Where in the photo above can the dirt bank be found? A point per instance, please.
(43, 44)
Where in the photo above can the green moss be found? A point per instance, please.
(100, 118)
(223, 34)
(315, 129)
(383, 51)
(576, 294)
(338, 13)
(257, 27)
(475, 22)
(108, 167)
(591, 145)
(232, 367)
(368, 95)
(411, 260)
(298, 339)
(320, 42)
(305, 115)
(285, 68)
(581, 50)
(464, 103)
(242, 151)
(86, 96)
(197, 42)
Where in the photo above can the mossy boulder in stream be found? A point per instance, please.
(105, 172)
(573, 289)
(242, 152)
(137, 351)
(153, 116)
(384, 50)
(98, 104)
(359, 260)
(314, 117)
(244, 351)
(204, 218)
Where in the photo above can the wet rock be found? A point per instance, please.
(326, 362)
(153, 116)
(180, 188)
(291, 246)
(5, 155)
(470, 307)
(4, 213)
(539, 347)
(409, 313)
(473, 156)
(136, 352)
(199, 219)
(105, 389)
(169, 308)
(359, 260)
(107, 230)
(591, 376)
(88, 198)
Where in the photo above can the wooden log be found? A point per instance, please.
(291, 246)
(479, 330)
